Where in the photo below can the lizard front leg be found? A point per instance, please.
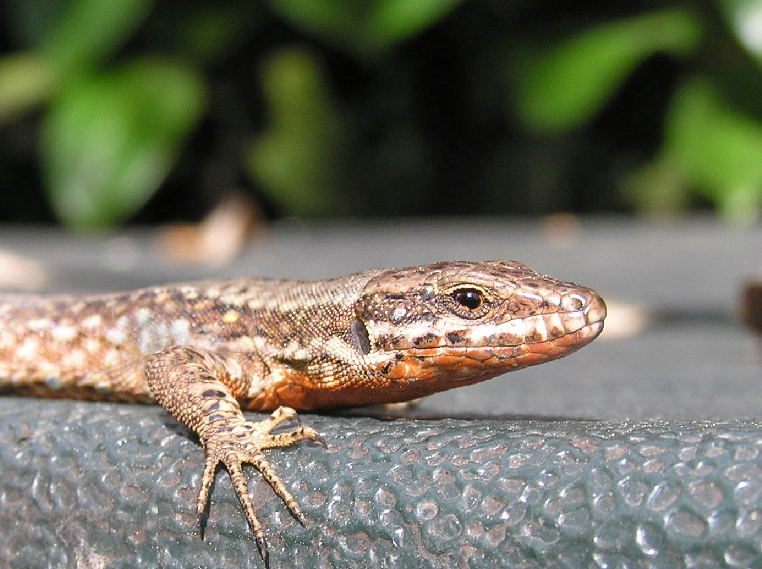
(195, 387)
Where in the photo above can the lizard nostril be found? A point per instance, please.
(577, 302)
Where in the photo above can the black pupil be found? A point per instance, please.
(469, 298)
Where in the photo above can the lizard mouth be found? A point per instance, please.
(564, 329)
(486, 360)
(485, 352)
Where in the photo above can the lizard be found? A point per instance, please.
(207, 351)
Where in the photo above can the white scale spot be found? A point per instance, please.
(294, 351)
(143, 316)
(516, 328)
(190, 293)
(39, 324)
(397, 315)
(234, 369)
(76, 359)
(231, 316)
(480, 336)
(552, 302)
(111, 358)
(92, 321)
(245, 344)
(7, 339)
(153, 338)
(64, 333)
(339, 349)
(28, 350)
(116, 336)
(180, 331)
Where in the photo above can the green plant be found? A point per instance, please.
(387, 107)
(712, 133)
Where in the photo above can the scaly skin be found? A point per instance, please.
(206, 350)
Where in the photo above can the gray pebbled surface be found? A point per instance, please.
(108, 485)
(630, 453)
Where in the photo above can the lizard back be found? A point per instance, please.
(371, 337)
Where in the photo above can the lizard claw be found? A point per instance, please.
(263, 551)
(319, 440)
(233, 442)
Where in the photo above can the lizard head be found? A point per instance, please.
(434, 327)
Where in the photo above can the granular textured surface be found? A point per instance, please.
(101, 486)
(114, 485)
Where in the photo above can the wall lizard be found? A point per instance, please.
(205, 351)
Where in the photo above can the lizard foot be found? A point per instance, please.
(233, 441)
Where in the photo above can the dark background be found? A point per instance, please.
(377, 108)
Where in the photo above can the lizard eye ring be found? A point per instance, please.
(467, 302)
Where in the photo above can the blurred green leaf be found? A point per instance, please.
(89, 31)
(710, 148)
(397, 20)
(366, 27)
(561, 87)
(297, 161)
(321, 18)
(109, 141)
(718, 148)
(25, 82)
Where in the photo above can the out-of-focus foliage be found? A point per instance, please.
(109, 136)
(363, 28)
(109, 140)
(379, 107)
(85, 33)
(561, 87)
(297, 159)
(712, 146)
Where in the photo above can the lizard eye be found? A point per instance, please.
(468, 298)
(469, 302)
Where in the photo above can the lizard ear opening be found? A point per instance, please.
(358, 335)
